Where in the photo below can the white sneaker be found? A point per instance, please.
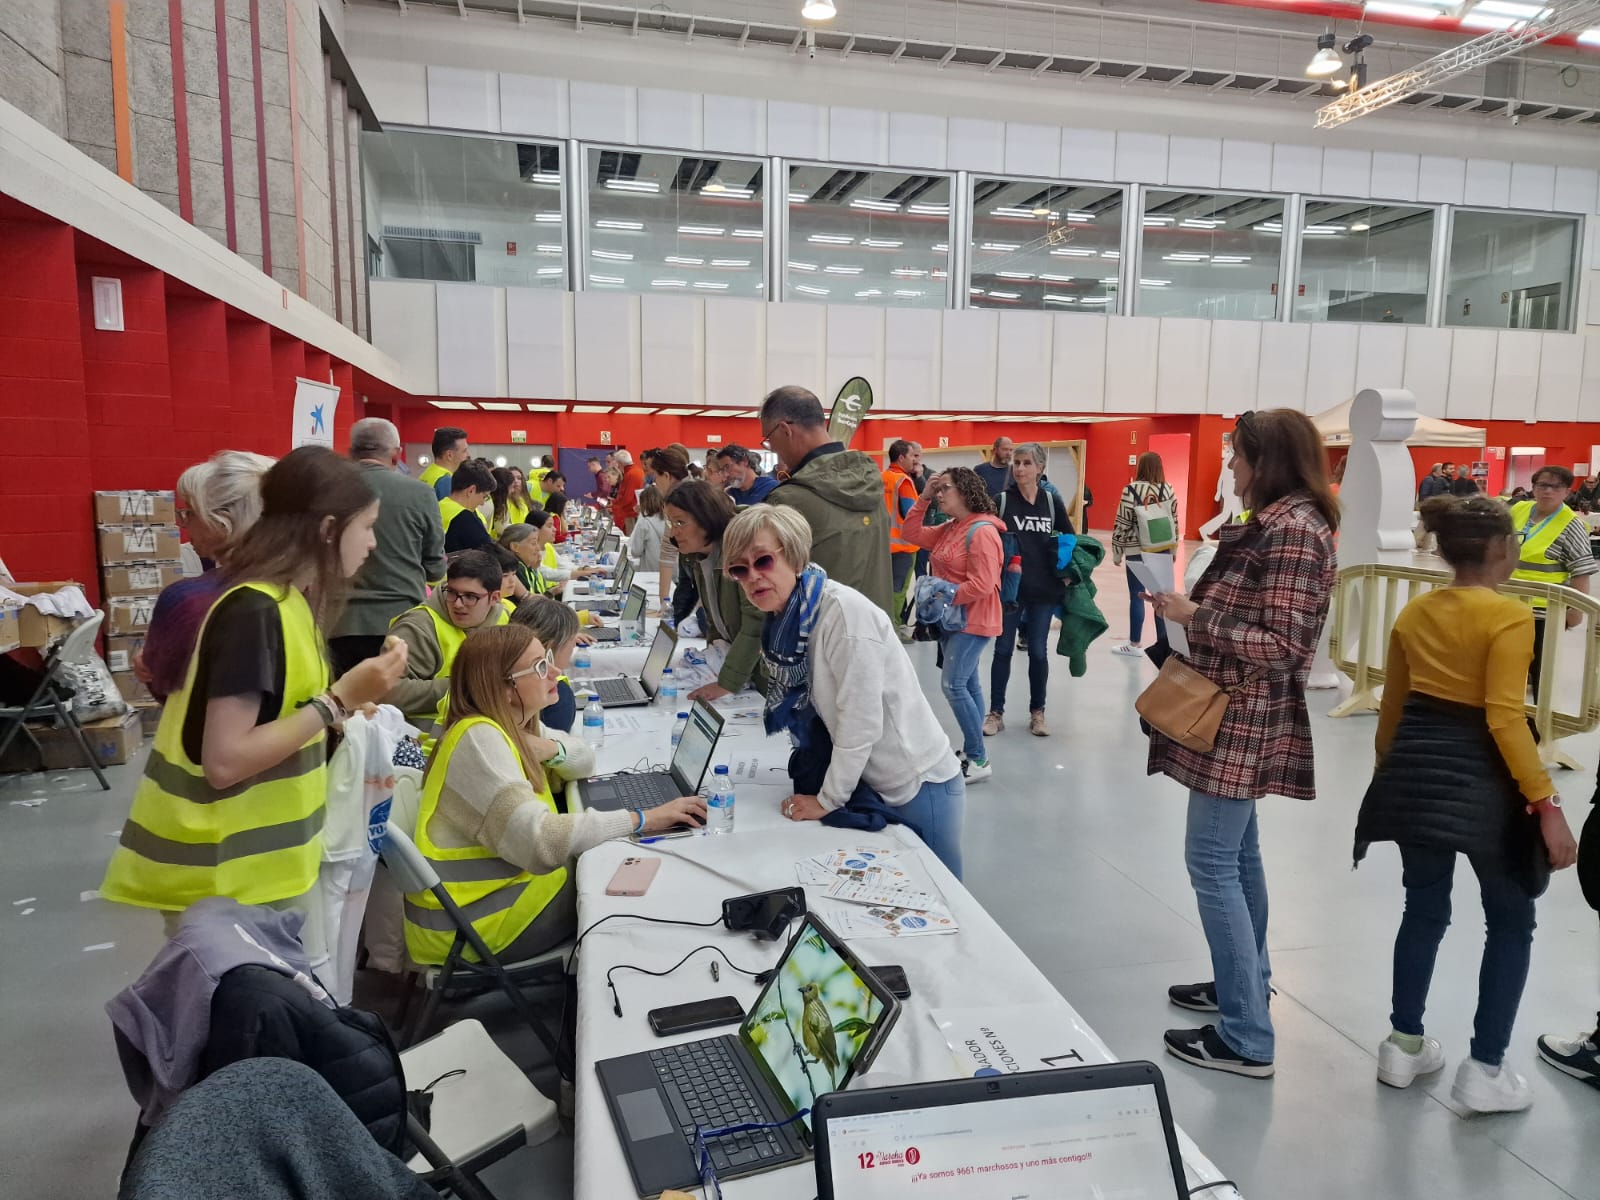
(1479, 1091)
(1128, 650)
(1399, 1068)
(976, 772)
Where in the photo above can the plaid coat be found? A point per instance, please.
(1262, 602)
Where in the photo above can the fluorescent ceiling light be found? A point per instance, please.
(728, 262)
(908, 272)
(544, 177)
(1072, 252)
(1111, 254)
(1270, 227)
(1324, 229)
(1000, 247)
(1005, 295)
(1111, 280)
(608, 279)
(1396, 8)
(1590, 37)
(1015, 274)
(1014, 212)
(1157, 222)
(591, 408)
(613, 255)
(882, 243)
(1080, 217)
(679, 412)
(634, 410)
(669, 283)
(701, 230)
(711, 285)
(452, 404)
(975, 291)
(1477, 20)
(940, 248)
(498, 406)
(1231, 259)
(551, 218)
(1053, 297)
(1185, 257)
(809, 290)
(1056, 278)
(1155, 283)
(679, 260)
(632, 185)
(1202, 223)
(938, 274)
(549, 247)
(869, 292)
(818, 10)
(799, 197)
(888, 206)
(929, 210)
(802, 266)
(838, 269)
(907, 293)
(552, 271)
(831, 239)
(1095, 300)
(545, 407)
(1360, 227)
(748, 233)
(630, 226)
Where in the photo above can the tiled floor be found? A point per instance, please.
(1079, 856)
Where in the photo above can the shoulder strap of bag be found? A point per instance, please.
(1258, 673)
(1002, 504)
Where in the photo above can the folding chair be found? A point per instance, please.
(48, 699)
(484, 1107)
(411, 873)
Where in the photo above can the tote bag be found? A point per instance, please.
(1157, 529)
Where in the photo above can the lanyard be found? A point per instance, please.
(1538, 528)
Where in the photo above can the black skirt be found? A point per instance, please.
(1444, 784)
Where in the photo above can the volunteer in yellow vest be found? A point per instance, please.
(508, 503)
(488, 822)
(464, 526)
(434, 631)
(899, 494)
(450, 450)
(1554, 548)
(533, 482)
(232, 798)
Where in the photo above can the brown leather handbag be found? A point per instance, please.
(1186, 706)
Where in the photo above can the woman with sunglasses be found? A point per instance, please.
(488, 820)
(1253, 620)
(697, 515)
(841, 685)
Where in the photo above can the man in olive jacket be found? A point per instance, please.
(838, 491)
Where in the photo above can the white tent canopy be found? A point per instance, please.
(1430, 431)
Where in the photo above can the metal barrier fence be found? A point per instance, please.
(1369, 597)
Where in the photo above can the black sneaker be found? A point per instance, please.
(1203, 1048)
(1197, 997)
(1577, 1056)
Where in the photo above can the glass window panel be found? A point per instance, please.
(665, 223)
(868, 237)
(464, 209)
(1209, 254)
(1045, 245)
(1364, 262)
(1510, 270)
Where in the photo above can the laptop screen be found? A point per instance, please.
(693, 755)
(656, 661)
(812, 1020)
(1076, 1145)
(633, 606)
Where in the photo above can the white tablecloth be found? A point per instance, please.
(977, 966)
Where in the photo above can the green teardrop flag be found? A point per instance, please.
(851, 405)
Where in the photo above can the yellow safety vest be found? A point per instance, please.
(450, 640)
(517, 512)
(449, 510)
(258, 841)
(536, 482)
(432, 473)
(1534, 563)
(499, 898)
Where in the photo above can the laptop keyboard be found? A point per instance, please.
(705, 1087)
(636, 792)
(614, 691)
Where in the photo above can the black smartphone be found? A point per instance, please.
(894, 978)
(765, 914)
(698, 1014)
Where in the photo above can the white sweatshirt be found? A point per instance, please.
(867, 693)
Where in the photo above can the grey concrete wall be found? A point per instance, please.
(155, 130)
(242, 117)
(86, 64)
(31, 60)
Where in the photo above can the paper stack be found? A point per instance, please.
(868, 893)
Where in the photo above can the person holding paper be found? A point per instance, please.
(1253, 621)
(1132, 538)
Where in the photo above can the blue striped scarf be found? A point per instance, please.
(785, 645)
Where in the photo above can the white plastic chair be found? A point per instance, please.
(47, 699)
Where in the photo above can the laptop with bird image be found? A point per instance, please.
(632, 614)
(820, 1020)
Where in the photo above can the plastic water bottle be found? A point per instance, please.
(594, 722)
(719, 805)
(669, 691)
(580, 658)
(678, 727)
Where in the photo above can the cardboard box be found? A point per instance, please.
(112, 741)
(148, 508)
(120, 651)
(33, 627)
(10, 629)
(138, 543)
(139, 579)
(129, 614)
(133, 691)
(149, 717)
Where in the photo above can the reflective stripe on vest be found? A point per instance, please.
(1534, 564)
(258, 841)
(894, 482)
(498, 898)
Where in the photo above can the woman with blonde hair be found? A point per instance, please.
(489, 822)
(218, 500)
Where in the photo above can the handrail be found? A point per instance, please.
(1360, 655)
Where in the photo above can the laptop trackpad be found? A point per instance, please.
(644, 1114)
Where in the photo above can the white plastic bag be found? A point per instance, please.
(1197, 564)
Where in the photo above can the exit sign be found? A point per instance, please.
(519, 437)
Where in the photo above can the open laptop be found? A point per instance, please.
(1078, 1132)
(632, 611)
(767, 1072)
(638, 790)
(613, 573)
(608, 603)
(622, 691)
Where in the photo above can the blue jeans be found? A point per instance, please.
(963, 652)
(1035, 622)
(936, 810)
(1230, 888)
(1508, 914)
(1136, 609)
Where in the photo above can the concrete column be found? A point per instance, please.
(155, 137)
(280, 148)
(86, 62)
(242, 119)
(31, 60)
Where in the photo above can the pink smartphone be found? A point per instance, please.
(633, 877)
